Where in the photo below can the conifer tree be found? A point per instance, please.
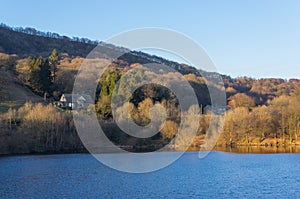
(53, 62)
(40, 75)
(45, 76)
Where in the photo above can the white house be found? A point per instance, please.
(75, 101)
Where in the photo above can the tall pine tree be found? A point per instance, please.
(40, 75)
(53, 61)
(45, 76)
(34, 76)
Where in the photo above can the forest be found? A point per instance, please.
(259, 112)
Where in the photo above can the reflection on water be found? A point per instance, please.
(260, 149)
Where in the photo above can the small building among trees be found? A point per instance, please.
(72, 101)
(216, 109)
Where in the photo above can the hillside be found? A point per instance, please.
(259, 111)
(26, 42)
(24, 45)
(13, 93)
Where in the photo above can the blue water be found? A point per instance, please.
(219, 175)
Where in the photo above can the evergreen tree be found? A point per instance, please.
(53, 61)
(107, 85)
(45, 76)
(34, 76)
(40, 75)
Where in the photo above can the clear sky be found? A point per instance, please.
(257, 38)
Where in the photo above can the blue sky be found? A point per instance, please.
(257, 38)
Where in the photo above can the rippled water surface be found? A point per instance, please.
(219, 175)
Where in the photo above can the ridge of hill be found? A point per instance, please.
(26, 42)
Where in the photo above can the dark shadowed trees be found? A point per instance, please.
(40, 75)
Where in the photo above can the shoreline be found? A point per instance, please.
(237, 149)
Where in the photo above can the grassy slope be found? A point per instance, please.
(13, 93)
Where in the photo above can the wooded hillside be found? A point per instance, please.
(37, 68)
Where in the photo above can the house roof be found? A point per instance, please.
(77, 97)
(86, 98)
